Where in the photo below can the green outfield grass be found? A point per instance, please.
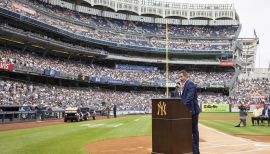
(227, 126)
(72, 137)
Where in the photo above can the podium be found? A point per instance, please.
(171, 127)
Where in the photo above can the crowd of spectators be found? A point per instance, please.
(19, 93)
(252, 91)
(100, 28)
(15, 93)
(182, 44)
(114, 30)
(148, 28)
(33, 94)
(52, 40)
(214, 99)
(75, 68)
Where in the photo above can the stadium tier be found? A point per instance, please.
(19, 93)
(75, 68)
(51, 41)
(106, 30)
(252, 91)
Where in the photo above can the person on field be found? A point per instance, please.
(243, 116)
(108, 111)
(265, 115)
(114, 110)
(186, 90)
(256, 115)
(94, 115)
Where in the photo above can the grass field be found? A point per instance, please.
(227, 126)
(72, 137)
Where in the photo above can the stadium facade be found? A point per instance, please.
(141, 43)
(97, 51)
(247, 54)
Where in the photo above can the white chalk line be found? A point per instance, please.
(259, 145)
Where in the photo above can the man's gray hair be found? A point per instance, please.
(184, 72)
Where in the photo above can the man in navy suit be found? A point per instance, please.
(265, 115)
(187, 92)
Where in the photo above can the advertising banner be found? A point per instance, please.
(116, 82)
(51, 72)
(103, 80)
(57, 74)
(215, 108)
(144, 83)
(99, 80)
(163, 84)
(226, 63)
(216, 85)
(133, 83)
(153, 84)
(95, 79)
(6, 66)
(83, 78)
(134, 67)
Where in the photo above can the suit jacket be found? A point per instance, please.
(190, 98)
(175, 93)
(263, 112)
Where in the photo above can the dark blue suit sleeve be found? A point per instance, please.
(189, 98)
(174, 93)
(191, 90)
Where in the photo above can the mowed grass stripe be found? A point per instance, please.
(227, 126)
(70, 137)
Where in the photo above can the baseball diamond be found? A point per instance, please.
(133, 136)
(134, 77)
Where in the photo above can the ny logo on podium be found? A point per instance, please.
(161, 109)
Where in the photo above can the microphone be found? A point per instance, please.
(177, 84)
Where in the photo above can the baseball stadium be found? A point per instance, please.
(82, 76)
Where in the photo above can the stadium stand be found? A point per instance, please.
(251, 91)
(112, 35)
(31, 94)
(76, 68)
(111, 42)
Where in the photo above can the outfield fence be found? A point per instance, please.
(228, 107)
(12, 117)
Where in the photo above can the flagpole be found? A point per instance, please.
(257, 48)
(167, 60)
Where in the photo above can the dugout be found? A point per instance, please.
(15, 113)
